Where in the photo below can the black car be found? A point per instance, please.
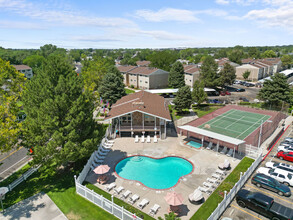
(240, 90)
(263, 205)
(267, 182)
(243, 99)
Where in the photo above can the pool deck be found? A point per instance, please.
(205, 164)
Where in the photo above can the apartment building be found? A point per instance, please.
(26, 70)
(191, 73)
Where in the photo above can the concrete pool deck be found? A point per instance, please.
(205, 164)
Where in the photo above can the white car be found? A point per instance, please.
(281, 175)
(285, 148)
(282, 166)
(289, 139)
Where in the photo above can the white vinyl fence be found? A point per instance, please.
(23, 177)
(104, 203)
(86, 169)
(228, 199)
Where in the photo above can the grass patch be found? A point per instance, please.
(175, 114)
(129, 91)
(203, 110)
(120, 202)
(217, 196)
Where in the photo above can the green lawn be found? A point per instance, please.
(217, 196)
(120, 202)
(203, 110)
(174, 113)
(129, 91)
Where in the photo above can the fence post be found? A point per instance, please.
(122, 211)
(112, 198)
(225, 194)
(241, 174)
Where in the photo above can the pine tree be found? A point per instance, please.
(11, 86)
(198, 93)
(59, 124)
(176, 76)
(112, 86)
(183, 99)
(227, 75)
(208, 72)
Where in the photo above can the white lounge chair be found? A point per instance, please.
(118, 190)
(136, 139)
(155, 139)
(217, 176)
(224, 151)
(143, 203)
(214, 181)
(225, 165)
(148, 139)
(110, 141)
(125, 194)
(154, 209)
(221, 172)
(196, 196)
(205, 190)
(100, 152)
(209, 147)
(108, 144)
(110, 186)
(209, 185)
(230, 153)
(142, 139)
(133, 199)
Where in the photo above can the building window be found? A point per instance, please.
(131, 80)
(146, 81)
(149, 119)
(126, 119)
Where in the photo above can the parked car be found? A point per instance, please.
(286, 143)
(230, 89)
(242, 82)
(280, 175)
(222, 93)
(285, 156)
(227, 93)
(240, 90)
(263, 204)
(289, 139)
(236, 82)
(248, 84)
(243, 99)
(214, 101)
(264, 181)
(285, 148)
(282, 166)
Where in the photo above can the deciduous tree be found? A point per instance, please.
(268, 54)
(246, 74)
(176, 76)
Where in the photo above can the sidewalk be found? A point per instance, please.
(37, 207)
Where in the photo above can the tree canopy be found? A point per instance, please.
(34, 61)
(59, 124)
(11, 87)
(208, 72)
(227, 75)
(198, 93)
(268, 54)
(176, 76)
(163, 59)
(183, 99)
(276, 90)
(112, 86)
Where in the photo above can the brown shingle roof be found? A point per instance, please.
(192, 70)
(143, 101)
(143, 63)
(124, 69)
(143, 70)
(21, 67)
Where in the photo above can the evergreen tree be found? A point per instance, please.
(183, 99)
(59, 124)
(176, 76)
(208, 72)
(11, 86)
(112, 86)
(227, 75)
(275, 90)
(198, 93)
(246, 74)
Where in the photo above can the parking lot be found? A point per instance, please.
(235, 212)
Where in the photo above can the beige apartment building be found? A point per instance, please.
(191, 73)
(256, 72)
(26, 70)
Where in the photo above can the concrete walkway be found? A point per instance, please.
(37, 207)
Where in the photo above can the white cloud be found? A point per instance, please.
(20, 25)
(168, 14)
(96, 38)
(222, 2)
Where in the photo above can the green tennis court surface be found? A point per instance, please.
(235, 123)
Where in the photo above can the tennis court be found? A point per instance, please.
(235, 123)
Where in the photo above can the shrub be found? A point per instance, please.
(132, 86)
(244, 103)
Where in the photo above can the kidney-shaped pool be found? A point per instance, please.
(160, 173)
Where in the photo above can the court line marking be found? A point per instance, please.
(11, 154)
(234, 122)
(251, 126)
(246, 212)
(248, 185)
(225, 129)
(230, 112)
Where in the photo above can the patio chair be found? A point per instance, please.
(108, 144)
(143, 203)
(209, 147)
(118, 190)
(155, 139)
(209, 185)
(230, 153)
(133, 199)
(136, 139)
(148, 139)
(100, 152)
(221, 172)
(154, 210)
(110, 186)
(205, 190)
(102, 149)
(217, 176)
(196, 197)
(214, 181)
(108, 147)
(125, 194)
(225, 165)
(110, 141)
(224, 151)
(142, 139)
(99, 157)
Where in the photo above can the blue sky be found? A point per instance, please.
(145, 24)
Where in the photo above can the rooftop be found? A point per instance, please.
(143, 70)
(21, 67)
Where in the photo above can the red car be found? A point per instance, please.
(228, 93)
(285, 155)
(222, 93)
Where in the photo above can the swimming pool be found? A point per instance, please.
(194, 144)
(160, 173)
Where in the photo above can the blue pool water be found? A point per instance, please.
(194, 144)
(154, 173)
